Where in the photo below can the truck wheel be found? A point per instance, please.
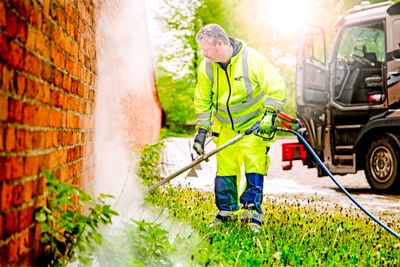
(381, 163)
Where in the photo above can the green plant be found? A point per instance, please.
(148, 167)
(150, 244)
(66, 231)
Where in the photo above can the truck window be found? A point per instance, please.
(358, 69)
(314, 45)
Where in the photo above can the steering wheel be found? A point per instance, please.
(361, 60)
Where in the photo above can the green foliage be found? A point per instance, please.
(176, 132)
(148, 167)
(150, 243)
(66, 232)
(176, 97)
(143, 243)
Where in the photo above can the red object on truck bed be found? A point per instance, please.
(293, 151)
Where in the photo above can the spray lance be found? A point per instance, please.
(254, 129)
(205, 156)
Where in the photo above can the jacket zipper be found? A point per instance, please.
(227, 101)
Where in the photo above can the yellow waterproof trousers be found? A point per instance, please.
(250, 151)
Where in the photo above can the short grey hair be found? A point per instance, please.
(212, 33)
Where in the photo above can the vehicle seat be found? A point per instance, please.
(370, 56)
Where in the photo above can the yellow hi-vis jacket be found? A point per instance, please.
(238, 97)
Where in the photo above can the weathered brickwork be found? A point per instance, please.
(47, 93)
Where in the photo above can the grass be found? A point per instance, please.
(295, 232)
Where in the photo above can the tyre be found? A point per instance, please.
(381, 163)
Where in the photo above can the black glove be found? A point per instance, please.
(199, 141)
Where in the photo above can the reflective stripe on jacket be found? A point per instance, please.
(238, 97)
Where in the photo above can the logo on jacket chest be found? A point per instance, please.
(238, 78)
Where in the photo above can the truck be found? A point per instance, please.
(349, 106)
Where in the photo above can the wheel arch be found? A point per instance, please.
(389, 126)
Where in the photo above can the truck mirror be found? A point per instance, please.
(313, 45)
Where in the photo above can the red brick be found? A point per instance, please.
(6, 196)
(67, 83)
(41, 185)
(26, 218)
(12, 250)
(48, 73)
(4, 47)
(31, 165)
(36, 233)
(21, 84)
(53, 159)
(28, 191)
(4, 255)
(8, 78)
(28, 140)
(11, 223)
(17, 167)
(1, 229)
(33, 64)
(3, 169)
(23, 243)
(3, 107)
(18, 194)
(42, 45)
(2, 137)
(31, 38)
(49, 139)
(20, 140)
(46, 93)
(29, 114)
(15, 110)
(37, 140)
(12, 23)
(16, 57)
(57, 98)
(31, 89)
(58, 78)
(47, 27)
(8, 171)
(21, 31)
(59, 58)
(36, 17)
(3, 15)
(10, 141)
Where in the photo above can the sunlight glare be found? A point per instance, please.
(285, 16)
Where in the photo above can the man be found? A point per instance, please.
(236, 87)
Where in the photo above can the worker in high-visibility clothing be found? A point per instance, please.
(236, 87)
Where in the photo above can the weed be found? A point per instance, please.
(65, 229)
(148, 167)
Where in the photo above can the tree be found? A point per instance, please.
(176, 68)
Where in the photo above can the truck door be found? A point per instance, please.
(312, 80)
(358, 85)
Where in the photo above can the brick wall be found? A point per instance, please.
(47, 90)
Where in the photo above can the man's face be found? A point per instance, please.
(212, 52)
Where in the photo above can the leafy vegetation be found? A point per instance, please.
(148, 166)
(296, 232)
(67, 233)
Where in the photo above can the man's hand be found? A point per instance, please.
(199, 141)
(267, 125)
